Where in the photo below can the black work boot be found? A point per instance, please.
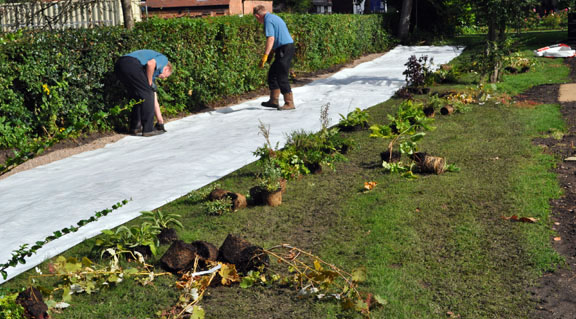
(136, 131)
(152, 133)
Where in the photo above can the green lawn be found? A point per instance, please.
(430, 246)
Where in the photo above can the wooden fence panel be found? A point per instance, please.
(63, 14)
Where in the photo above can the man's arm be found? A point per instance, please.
(150, 68)
(269, 45)
(267, 50)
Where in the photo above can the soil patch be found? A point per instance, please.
(556, 292)
(97, 140)
(63, 150)
(543, 94)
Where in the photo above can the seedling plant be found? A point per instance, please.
(357, 118)
(126, 240)
(269, 177)
(218, 207)
(404, 132)
(160, 221)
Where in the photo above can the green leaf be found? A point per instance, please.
(418, 136)
(72, 267)
(360, 305)
(197, 313)
(66, 296)
(359, 275)
(130, 271)
(381, 301)
(86, 262)
(246, 283)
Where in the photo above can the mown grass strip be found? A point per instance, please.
(438, 244)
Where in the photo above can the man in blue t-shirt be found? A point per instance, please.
(138, 71)
(278, 39)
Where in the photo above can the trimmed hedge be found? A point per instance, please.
(51, 81)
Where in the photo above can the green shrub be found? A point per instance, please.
(64, 79)
(356, 118)
(9, 309)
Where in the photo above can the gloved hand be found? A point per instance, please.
(263, 61)
(160, 127)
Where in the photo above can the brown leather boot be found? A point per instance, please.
(288, 102)
(274, 97)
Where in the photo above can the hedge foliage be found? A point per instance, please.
(52, 81)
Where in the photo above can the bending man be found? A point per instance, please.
(278, 39)
(137, 71)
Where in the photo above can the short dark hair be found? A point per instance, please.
(259, 9)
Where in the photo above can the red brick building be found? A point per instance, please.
(199, 8)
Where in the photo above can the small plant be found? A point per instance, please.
(434, 103)
(404, 132)
(159, 221)
(445, 74)
(490, 63)
(218, 207)
(287, 160)
(126, 240)
(202, 194)
(418, 72)
(139, 236)
(354, 119)
(452, 168)
(516, 63)
(269, 177)
(316, 150)
(405, 170)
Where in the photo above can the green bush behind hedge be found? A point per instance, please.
(61, 79)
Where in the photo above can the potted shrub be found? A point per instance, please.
(124, 240)
(418, 74)
(287, 160)
(318, 150)
(403, 132)
(165, 224)
(354, 121)
(269, 185)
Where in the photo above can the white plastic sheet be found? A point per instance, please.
(195, 151)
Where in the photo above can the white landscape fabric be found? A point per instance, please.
(195, 151)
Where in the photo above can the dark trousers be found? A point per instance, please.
(133, 75)
(280, 69)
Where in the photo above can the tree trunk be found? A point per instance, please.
(404, 24)
(492, 31)
(495, 76)
(127, 13)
